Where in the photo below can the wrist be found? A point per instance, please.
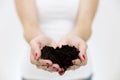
(84, 32)
(75, 31)
(31, 33)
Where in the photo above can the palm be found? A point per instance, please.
(80, 44)
(36, 45)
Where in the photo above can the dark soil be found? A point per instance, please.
(62, 56)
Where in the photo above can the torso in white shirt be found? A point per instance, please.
(56, 18)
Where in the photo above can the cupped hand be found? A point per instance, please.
(80, 44)
(36, 45)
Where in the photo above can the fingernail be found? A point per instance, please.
(83, 57)
(61, 72)
(57, 70)
(54, 68)
(73, 62)
(35, 55)
(48, 64)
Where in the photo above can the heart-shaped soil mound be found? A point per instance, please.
(62, 56)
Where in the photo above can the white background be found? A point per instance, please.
(105, 45)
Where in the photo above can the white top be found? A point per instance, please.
(57, 18)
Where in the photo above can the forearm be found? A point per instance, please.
(84, 31)
(27, 13)
(85, 18)
(31, 32)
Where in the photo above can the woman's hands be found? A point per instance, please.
(40, 41)
(80, 44)
(36, 45)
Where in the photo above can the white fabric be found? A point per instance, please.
(57, 17)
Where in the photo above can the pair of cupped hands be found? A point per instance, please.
(40, 41)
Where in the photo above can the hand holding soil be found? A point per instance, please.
(80, 45)
(36, 45)
(69, 54)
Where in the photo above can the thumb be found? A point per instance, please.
(82, 54)
(61, 43)
(54, 44)
(35, 50)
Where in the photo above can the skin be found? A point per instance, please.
(77, 37)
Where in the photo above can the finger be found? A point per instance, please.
(62, 42)
(35, 49)
(42, 67)
(85, 61)
(41, 40)
(82, 49)
(43, 62)
(46, 68)
(56, 67)
(61, 72)
(81, 46)
(50, 69)
(77, 62)
(73, 67)
(53, 68)
(82, 56)
(74, 43)
(53, 44)
(33, 60)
